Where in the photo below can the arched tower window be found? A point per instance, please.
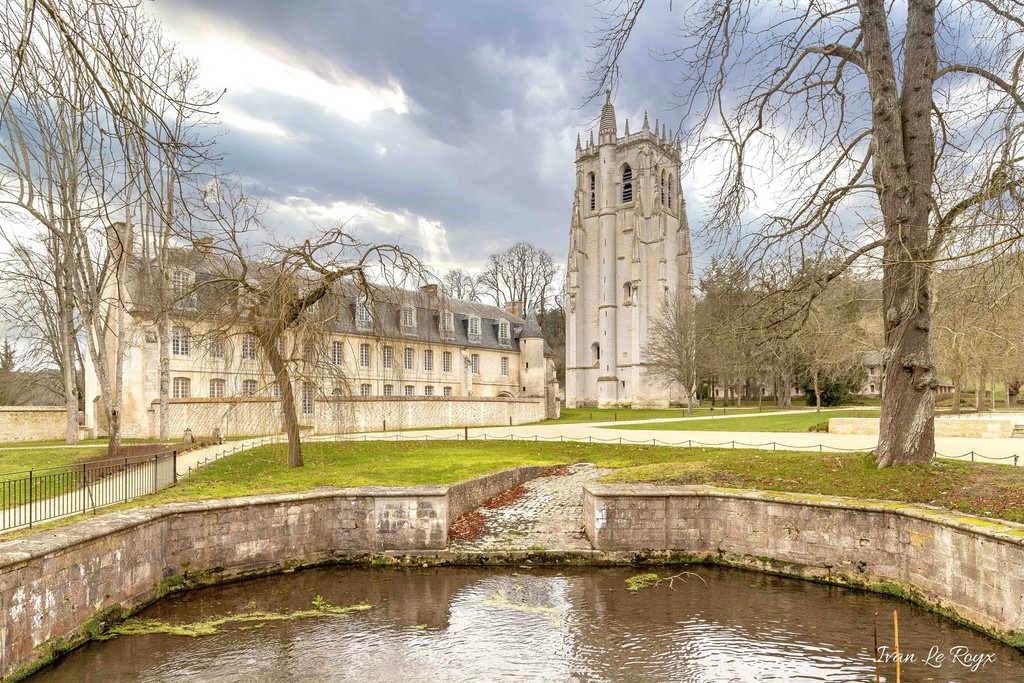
(662, 187)
(670, 191)
(593, 192)
(595, 350)
(627, 184)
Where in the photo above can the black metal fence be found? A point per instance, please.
(32, 496)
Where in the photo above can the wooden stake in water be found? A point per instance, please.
(896, 645)
(878, 676)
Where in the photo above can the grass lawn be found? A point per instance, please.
(776, 422)
(995, 490)
(579, 415)
(35, 458)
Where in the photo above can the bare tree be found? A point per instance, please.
(458, 283)
(523, 273)
(269, 290)
(891, 136)
(671, 350)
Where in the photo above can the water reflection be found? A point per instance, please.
(452, 624)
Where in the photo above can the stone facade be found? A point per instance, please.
(968, 564)
(32, 423)
(629, 253)
(54, 581)
(398, 344)
(972, 429)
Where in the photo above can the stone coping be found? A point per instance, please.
(998, 529)
(43, 543)
(33, 409)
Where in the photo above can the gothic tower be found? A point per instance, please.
(629, 251)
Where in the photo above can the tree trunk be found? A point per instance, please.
(902, 165)
(69, 363)
(979, 395)
(163, 332)
(281, 375)
(817, 394)
(957, 389)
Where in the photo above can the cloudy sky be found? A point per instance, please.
(452, 124)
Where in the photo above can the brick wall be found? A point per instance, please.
(972, 565)
(32, 423)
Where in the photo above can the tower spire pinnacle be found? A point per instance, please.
(608, 130)
(647, 125)
(579, 147)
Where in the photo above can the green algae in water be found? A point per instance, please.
(501, 600)
(641, 581)
(210, 627)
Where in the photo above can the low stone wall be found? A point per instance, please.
(252, 416)
(338, 415)
(971, 565)
(32, 423)
(972, 429)
(53, 582)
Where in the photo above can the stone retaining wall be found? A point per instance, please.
(252, 416)
(971, 565)
(32, 423)
(971, 429)
(54, 581)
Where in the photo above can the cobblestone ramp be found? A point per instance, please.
(548, 516)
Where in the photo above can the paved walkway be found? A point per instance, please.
(548, 516)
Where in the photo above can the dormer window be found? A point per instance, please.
(504, 332)
(446, 325)
(408, 319)
(364, 316)
(627, 185)
(182, 282)
(473, 329)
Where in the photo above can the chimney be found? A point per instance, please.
(118, 240)
(515, 308)
(204, 245)
(429, 290)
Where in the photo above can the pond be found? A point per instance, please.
(544, 624)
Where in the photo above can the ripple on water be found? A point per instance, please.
(496, 625)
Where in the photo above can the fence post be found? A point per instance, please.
(30, 499)
(1015, 461)
(125, 480)
(972, 456)
(174, 464)
(465, 433)
(156, 466)
(84, 485)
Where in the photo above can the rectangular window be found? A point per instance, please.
(504, 335)
(249, 347)
(364, 389)
(364, 355)
(504, 366)
(409, 365)
(428, 391)
(217, 349)
(216, 388)
(447, 391)
(446, 361)
(308, 398)
(364, 317)
(408, 389)
(180, 387)
(337, 353)
(275, 390)
(408, 318)
(181, 285)
(249, 387)
(389, 389)
(447, 325)
(428, 360)
(181, 341)
(474, 364)
(387, 357)
(474, 329)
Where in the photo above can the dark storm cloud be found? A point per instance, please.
(493, 92)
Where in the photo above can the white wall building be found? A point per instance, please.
(629, 250)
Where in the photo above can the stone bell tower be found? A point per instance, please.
(629, 252)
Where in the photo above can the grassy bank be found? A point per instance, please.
(801, 421)
(989, 490)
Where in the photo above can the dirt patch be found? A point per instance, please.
(559, 471)
(505, 498)
(468, 527)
